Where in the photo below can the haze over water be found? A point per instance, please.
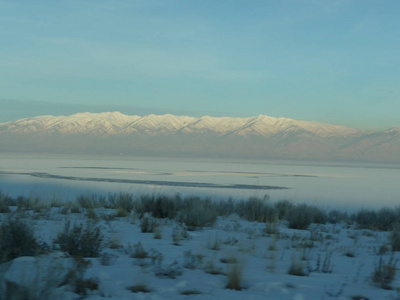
(328, 186)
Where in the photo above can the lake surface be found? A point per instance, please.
(328, 186)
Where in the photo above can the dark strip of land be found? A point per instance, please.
(152, 182)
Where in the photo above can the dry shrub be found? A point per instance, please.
(235, 276)
(296, 268)
(395, 237)
(139, 288)
(17, 239)
(85, 242)
(384, 273)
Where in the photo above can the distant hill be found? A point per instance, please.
(260, 137)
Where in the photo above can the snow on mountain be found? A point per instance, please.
(153, 124)
(219, 126)
(169, 135)
(115, 123)
(393, 131)
(269, 126)
(101, 123)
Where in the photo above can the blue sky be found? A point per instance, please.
(330, 61)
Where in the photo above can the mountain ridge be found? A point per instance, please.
(117, 122)
(258, 137)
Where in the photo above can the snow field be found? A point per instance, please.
(337, 260)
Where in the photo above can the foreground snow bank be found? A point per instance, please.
(159, 258)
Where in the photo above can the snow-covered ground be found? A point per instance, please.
(337, 261)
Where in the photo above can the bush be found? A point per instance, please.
(296, 268)
(387, 218)
(107, 259)
(384, 273)
(160, 206)
(5, 202)
(125, 201)
(148, 224)
(395, 238)
(225, 208)
(91, 214)
(139, 251)
(283, 209)
(192, 261)
(255, 209)
(89, 201)
(17, 239)
(76, 277)
(383, 219)
(170, 271)
(82, 285)
(79, 241)
(197, 213)
(192, 211)
(4, 208)
(179, 233)
(30, 203)
(75, 209)
(303, 215)
(120, 201)
(158, 232)
(121, 213)
(335, 216)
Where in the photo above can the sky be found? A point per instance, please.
(330, 61)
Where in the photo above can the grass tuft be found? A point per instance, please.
(139, 288)
(235, 276)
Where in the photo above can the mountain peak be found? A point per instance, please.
(111, 123)
(260, 136)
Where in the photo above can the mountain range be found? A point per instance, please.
(260, 137)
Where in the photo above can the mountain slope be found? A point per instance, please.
(117, 123)
(257, 137)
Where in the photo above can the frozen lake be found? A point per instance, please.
(328, 186)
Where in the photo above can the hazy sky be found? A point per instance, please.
(329, 61)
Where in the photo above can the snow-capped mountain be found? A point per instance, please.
(117, 123)
(168, 135)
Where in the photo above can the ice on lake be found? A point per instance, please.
(328, 185)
